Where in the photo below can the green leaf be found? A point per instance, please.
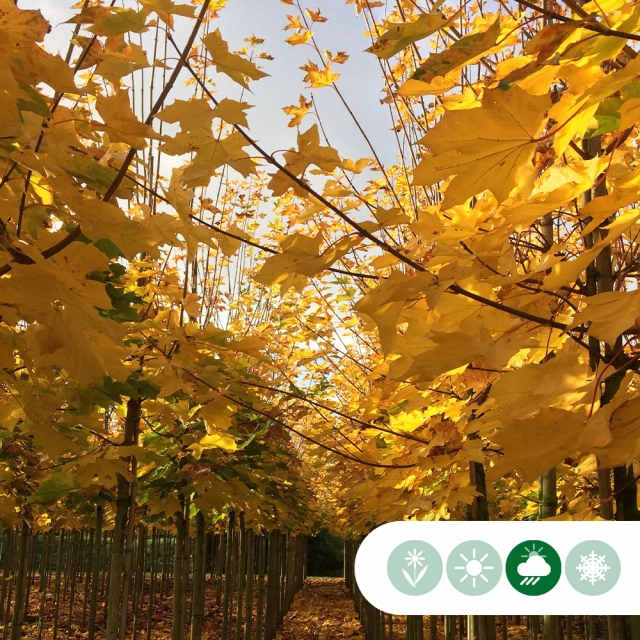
(37, 104)
(51, 490)
(607, 116)
(34, 219)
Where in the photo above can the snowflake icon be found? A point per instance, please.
(593, 567)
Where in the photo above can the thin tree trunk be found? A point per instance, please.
(484, 627)
(450, 628)
(132, 488)
(95, 573)
(16, 625)
(262, 548)
(7, 611)
(176, 632)
(56, 595)
(106, 563)
(32, 555)
(248, 614)
(120, 533)
(8, 550)
(433, 627)
(197, 599)
(185, 569)
(552, 627)
(87, 578)
(220, 567)
(152, 582)
(138, 587)
(226, 604)
(165, 556)
(242, 567)
(67, 568)
(72, 581)
(272, 570)
(47, 552)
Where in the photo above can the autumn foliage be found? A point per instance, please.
(192, 323)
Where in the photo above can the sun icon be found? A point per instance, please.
(533, 552)
(474, 567)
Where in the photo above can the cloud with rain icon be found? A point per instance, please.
(533, 568)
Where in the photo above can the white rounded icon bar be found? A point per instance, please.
(465, 568)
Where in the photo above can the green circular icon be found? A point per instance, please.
(414, 567)
(533, 567)
(474, 568)
(592, 567)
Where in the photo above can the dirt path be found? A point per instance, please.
(322, 610)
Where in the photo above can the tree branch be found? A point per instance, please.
(584, 24)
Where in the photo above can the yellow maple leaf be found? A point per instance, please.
(315, 15)
(463, 52)
(300, 38)
(384, 304)
(437, 86)
(318, 78)
(301, 255)
(358, 166)
(298, 111)
(339, 57)
(486, 148)
(400, 36)
(191, 114)
(166, 9)
(232, 111)
(22, 27)
(310, 152)
(228, 244)
(536, 444)
(191, 304)
(624, 446)
(218, 441)
(610, 314)
(120, 123)
(118, 21)
(294, 23)
(629, 113)
(231, 64)
(562, 382)
(217, 414)
(120, 58)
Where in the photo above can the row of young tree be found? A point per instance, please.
(239, 582)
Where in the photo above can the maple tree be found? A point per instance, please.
(450, 337)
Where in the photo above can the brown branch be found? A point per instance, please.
(584, 24)
(21, 258)
(273, 251)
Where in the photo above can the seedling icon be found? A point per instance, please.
(415, 560)
(414, 567)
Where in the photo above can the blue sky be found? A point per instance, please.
(360, 81)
